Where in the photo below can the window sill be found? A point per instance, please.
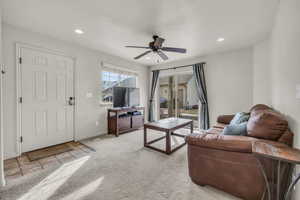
(106, 104)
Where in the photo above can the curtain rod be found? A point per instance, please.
(178, 67)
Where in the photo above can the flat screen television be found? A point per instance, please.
(126, 97)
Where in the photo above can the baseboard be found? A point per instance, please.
(88, 136)
(10, 155)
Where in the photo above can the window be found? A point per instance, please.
(115, 78)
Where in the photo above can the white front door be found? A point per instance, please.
(46, 86)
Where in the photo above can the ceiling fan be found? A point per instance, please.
(156, 47)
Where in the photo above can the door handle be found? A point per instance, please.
(71, 101)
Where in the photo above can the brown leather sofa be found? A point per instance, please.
(227, 163)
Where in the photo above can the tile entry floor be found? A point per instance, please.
(21, 166)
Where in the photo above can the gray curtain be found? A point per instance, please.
(152, 92)
(198, 70)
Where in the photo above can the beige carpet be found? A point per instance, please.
(120, 169)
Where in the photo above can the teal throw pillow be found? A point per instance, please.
(240, 117)
(235, 129)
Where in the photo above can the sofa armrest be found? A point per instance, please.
(225, 119)
(222, 142)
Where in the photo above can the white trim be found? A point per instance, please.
(18, 95)
(105, 104)
(116, 67)
(76, 95)
(19, 46)
(43, 49)
(2, 178)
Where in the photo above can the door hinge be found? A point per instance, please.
(20, 60)
(21, 100)
(3, 69)
(21, 139)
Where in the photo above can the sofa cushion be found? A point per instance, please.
(240, 117)
(225, 119)
(214, 130)
(220, 125)
(222, 142)
(266, 124)
(235, 129)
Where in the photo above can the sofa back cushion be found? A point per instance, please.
(259, 107)
(287, 138)
(225, 119)
(266, 124)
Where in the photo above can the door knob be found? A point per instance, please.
(71, 101)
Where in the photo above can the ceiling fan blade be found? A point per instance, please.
(143, 54)
(172, 49)
(162, 55)
(139, 47)
(158, 42)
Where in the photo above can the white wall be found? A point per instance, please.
(87, 80)
(285, 62)
(261, 73)
(229, 80)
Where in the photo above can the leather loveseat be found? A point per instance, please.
(226, 162)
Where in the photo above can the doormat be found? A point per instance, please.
(49, 151)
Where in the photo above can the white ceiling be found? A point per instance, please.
(109, 25)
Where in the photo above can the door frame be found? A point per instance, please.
(19, 46)
(2, 73)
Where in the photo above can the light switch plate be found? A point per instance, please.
(89, 95)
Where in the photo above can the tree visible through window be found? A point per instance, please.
(110, 79)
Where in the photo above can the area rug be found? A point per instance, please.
(49, 151)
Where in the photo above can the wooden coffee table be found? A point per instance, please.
(169, 126)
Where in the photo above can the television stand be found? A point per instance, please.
(119, 121)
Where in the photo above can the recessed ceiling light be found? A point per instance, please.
(79, 31)
(147, 58)
(220, 39)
